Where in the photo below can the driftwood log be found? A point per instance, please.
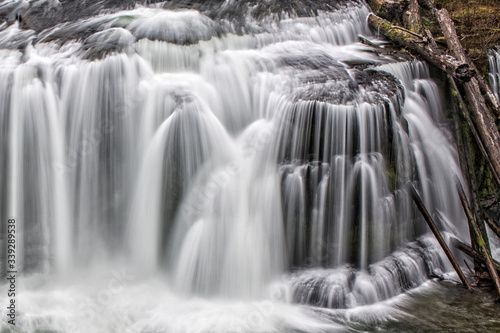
(478, 107)
(483, 120)
(412, 19)
(457, 65)
(449, 31)
(427, 217)
(419, 44)
(480, 240)
(465, 248)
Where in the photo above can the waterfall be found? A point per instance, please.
(494, 71)
(224, 154)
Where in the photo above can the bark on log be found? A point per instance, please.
(489, 96)
(482, 245)
(368, 42)
(454, 45)
(412, 18)
(391, 10)
(421, 207)
(418, 43)
(484, 122)
(473, 254)
(485, 126)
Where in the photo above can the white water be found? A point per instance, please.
(229, 176)
(494, 71)
(494, 80)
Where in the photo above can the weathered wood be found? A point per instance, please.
(427, 217)
(489, 96)
(419, 44)
(480, 240)
(450, 35)
(445, 20)
(483, 120)
(368, 42)
(412, 18)
(391, 10)
(430, 38)
(485, 126)
(473, 254)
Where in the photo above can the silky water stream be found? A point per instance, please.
(197, 170)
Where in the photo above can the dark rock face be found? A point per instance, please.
(237, 10)
(322, 78)
(39, 15)
(42, 14)
(73, 10)
(10, 11)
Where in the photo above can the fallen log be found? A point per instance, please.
(419, 44)
(368, 42)
(474, 254)
(427, 217)
(412, 18)
(489, 96)
(456, 49)
(480, 240)
(391, 10)
(483, 120)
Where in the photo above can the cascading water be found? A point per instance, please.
(494, 81)
(494, 71)
(232, 164)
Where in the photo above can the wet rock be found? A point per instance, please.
(43, 14)
(13, 38)
(40, 15)
(74, 10)
(114, 40)
(11, 10)
(236, 11)
(335, 84)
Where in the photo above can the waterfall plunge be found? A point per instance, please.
(227, 164)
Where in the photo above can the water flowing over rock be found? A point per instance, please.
(236, 151)
(494, 72)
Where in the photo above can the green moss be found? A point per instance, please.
(480, 242)
(454, 93)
